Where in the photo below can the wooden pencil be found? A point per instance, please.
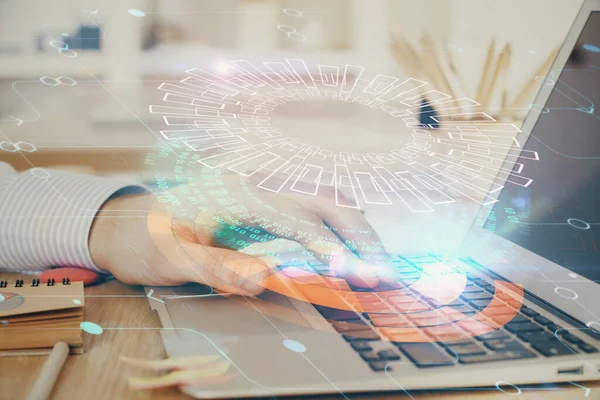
(454, 70)
(500, 70)
(486, 71)
(50, 371)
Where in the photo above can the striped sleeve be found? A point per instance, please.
(46, 216)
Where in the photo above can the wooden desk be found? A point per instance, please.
(98, 373)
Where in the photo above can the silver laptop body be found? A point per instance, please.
(283, 346)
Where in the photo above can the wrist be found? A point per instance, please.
(107, 233)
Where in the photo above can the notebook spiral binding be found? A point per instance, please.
(35, 282)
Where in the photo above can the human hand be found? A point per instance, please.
(136, 240)
(176, 250)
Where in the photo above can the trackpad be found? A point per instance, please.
(270, 313)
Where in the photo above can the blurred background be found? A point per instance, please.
(120, 51)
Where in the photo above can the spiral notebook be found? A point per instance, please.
(35, 315)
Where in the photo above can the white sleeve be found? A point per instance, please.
(46, 216)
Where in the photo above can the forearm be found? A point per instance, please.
(46, 216)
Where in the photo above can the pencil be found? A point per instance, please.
(486, 70)
(50, 371)
(454, 70)
(499, 71)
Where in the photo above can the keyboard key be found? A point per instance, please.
(379, 366)
(519, 318)
(542, 320)
(383, 320)
(335, 314)
(503, 345)
(405, 298)
(529, 312)
(516, 327)
(476, 296)
(538, 336)
(376, 307)
(553, 348)
(569, 337)
(369, 356)
(494, 335)
(516, 304)
(588, 348)
(471, 349)
(553, 327)
(388, 355)
(494, 357)
(345, 326)
(413, 307)
(473, 289)
(498, 313)
(444, 332)
(465, 309)
(479, 304)
(361, 346)
(402, 335)
(439, 303)
(426, 355)
(367, 335)
(483, 284)
(460, 342)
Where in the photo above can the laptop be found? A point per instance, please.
(529, 268)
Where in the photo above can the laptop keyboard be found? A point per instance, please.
(527, 335)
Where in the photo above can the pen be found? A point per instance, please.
(50, 371)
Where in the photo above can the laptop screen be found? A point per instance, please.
(558, 215)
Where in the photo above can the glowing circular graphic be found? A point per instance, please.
(10, 301)
(499, 383)
(40, 173)
(91, 328)
(592, 48)
(227, 121)
(566, 293)
(294, 346)
(232, 126)
(579, 224)
(136, 12)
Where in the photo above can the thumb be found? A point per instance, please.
(229, 270)
(250, 273)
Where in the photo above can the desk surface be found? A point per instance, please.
(98, 373)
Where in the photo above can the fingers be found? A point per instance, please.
(326, 246)
(309, 230)
(357, 234)
(229, 270)
(189, 260)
